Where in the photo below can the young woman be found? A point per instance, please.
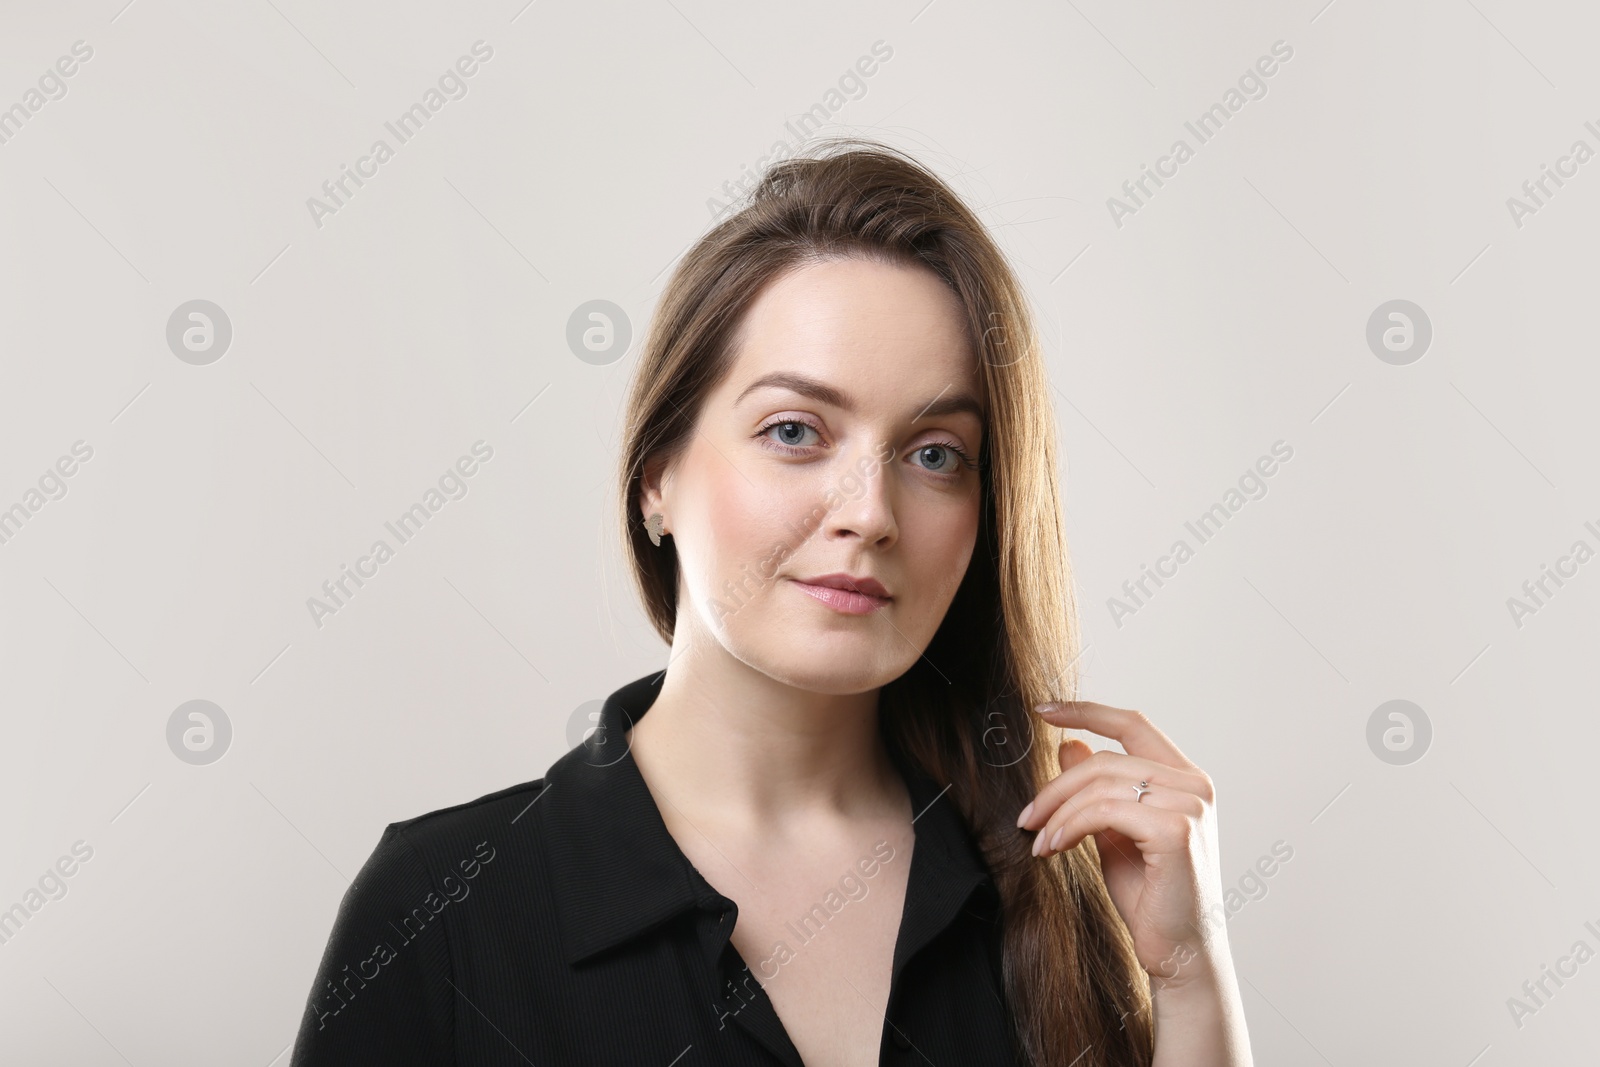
(844, 834)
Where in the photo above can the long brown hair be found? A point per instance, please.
(1009, 640)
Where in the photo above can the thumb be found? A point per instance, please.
(1072, 752)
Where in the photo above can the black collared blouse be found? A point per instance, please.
(558, 922)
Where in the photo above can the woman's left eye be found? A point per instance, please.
(944, 459)
(791, 433)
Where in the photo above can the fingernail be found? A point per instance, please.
(1055, 842)
(1038, 842)
(1027, 811)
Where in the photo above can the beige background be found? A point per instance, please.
(430, 312)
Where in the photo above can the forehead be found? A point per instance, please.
(875, 329)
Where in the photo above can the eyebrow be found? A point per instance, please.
(824, 393)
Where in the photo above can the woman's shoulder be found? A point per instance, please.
(383, 989)
(453, 840)
(493, 814)
(450, 842)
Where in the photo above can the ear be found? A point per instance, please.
(654, 483)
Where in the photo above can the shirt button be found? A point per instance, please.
(902, 1041)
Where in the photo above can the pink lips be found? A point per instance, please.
(845, 593)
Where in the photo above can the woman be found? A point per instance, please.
(843, 834)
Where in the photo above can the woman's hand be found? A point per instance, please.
(1158, 852)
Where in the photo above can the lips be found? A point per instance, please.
(845, 593)
(869, 586)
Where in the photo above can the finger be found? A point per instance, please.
(1070, 753)
(1139, 736)
(1150, 822)
(1118, 766)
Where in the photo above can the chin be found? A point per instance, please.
(836, 664)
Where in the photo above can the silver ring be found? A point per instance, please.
(1141, 789)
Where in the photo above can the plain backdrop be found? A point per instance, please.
(373, 345)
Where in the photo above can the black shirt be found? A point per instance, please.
(558, 922)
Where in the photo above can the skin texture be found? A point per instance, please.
(762, 749)
(889, 338)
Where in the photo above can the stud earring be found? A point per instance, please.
(652, 526)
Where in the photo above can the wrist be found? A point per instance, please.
(1197, 979)
(1199, 1015)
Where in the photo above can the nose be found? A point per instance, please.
(867, 490)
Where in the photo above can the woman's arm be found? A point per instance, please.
(1152, 813)
(1199, 1016)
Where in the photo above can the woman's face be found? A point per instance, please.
(843, 443)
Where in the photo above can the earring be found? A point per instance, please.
(652, 526)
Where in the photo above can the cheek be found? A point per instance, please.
(745, 522)
(938, 542)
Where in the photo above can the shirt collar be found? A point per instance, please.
(617, 872)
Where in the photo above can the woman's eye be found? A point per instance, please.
(790, 433)
(941, 458)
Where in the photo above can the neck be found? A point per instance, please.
(728, 744)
